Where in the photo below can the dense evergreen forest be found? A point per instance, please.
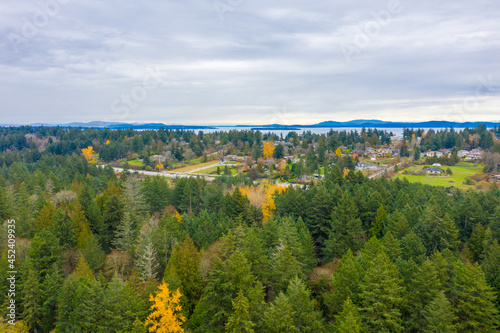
(101, 252)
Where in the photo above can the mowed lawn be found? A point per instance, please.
(460, 172)
(193, 167)
(209, 170)
(135, 163)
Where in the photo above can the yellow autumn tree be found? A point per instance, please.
(88, 154)
(268, 149)
(338, 152)
(165, 316)
(178, 216)
(108, 142)
(262, 196)
(346, 171)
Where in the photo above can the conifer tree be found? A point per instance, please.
(345, 283)
(391, 246)
(381, 296)
(4, 205)
(279, 317)
(93, 252)
(438, 316)
(491, 267)
(346, 229)
(31, 300)
(50, 289)
(349, 320)
(45, 218)
(80, 224)
(473, 299)
(226, 279)
(63, 229)
(378, 224)
(240, 320)
(284, 267)
(476, 242)
(397, 224)
(147, 262)
(306, 318)
(125, 234)
(184, 267)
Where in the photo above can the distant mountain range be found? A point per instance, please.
(118, 125)
(371, 123)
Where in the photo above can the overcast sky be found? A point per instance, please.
(248, 61)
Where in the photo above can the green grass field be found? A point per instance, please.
(209, 170)
(460, 172)
(192, 167)
(136, 163)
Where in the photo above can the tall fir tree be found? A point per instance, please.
(381, 296)
(349, 320)
(240, 320)
(439, 316)
(346, 229)
(378, 223)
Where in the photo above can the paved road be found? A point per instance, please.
(166, 174)
(381, 172)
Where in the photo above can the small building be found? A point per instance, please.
(436, 165)
(433, 154)
(363, 166)
(432, 170)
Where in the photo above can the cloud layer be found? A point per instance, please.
(248, 61)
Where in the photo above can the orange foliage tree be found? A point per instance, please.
(268, 149)
(165, 316)
(338, 152)
(88, 154)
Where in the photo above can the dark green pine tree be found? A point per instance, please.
(495, 223)
(113, 213)
(93, 253)
(381, 296)
(240, 320)
(346, 230)
(183, 266)
(436, 232)
(378, 224)
(318, 217)
(306, 318)
(349, 320)
(397, 224)
(279, 317)
(473, 299)
(438, 316)
(81, 302)
(44, 251)
(31, 298)
(225, 280)
(123, 306)
(284, 267)
(476, 242)
(423, 287)
(491, 267)
(4, 205)
(346, 282)
(63, 229)
(308, 257)
(392, 246)
(50, 288)
(92, 212)
(412, 248)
